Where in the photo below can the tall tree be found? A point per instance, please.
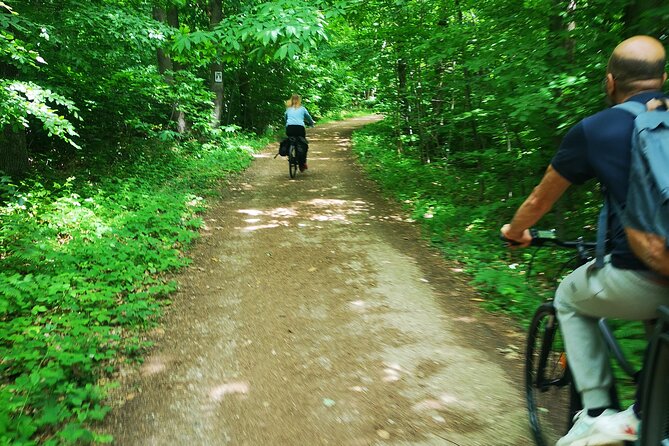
(166, 65)
(216, 71)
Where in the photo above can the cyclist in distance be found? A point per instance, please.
(296, 116)
(599, 147)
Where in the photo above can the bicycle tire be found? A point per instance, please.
(292, 161)
(655, 425)
(552, 400)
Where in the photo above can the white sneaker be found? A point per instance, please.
(594, 431)
(621, 426)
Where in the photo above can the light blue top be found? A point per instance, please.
(298, 116)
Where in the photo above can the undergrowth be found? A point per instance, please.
(84, 265)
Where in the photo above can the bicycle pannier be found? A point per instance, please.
(284, 147)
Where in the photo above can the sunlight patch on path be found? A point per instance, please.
(317, 209)
(231, 388)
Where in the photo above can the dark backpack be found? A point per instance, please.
(645, 214)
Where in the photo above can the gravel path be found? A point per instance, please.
(313, 314)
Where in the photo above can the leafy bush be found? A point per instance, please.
(84, 269)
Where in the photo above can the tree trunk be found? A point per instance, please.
(165, 64)
(216, 11)
(177, 114)
(403, 103)
(173, 21)
(13, 152)
(419, 118)
(560, 25)
(467, 77)
(244, 88)
(164, 61)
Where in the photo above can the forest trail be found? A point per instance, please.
(313, 314)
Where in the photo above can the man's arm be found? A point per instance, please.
(540, 201)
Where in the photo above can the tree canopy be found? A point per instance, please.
(451, 74)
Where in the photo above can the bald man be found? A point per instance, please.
(599, 147)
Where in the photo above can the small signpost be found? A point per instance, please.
(218, 77)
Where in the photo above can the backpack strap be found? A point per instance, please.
(634, 108)
(602, 229)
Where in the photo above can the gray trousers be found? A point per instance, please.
(588, 294)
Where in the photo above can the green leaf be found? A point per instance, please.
(281, 52)
(39, 309)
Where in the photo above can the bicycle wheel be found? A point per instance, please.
(292, 161)
(655, 425)
(552, 400)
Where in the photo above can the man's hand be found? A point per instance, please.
(540, 201)
(520, 240)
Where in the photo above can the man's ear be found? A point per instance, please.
(611, 84)
(664, 78)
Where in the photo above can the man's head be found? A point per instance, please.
(636, 65)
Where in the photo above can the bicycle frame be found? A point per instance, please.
(543, 373)
(543, 237)
(615, 350)
(655, 397)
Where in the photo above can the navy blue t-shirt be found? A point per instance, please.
(599, 147)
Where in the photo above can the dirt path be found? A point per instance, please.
(314, 315)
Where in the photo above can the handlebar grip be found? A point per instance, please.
(508, 241)
(539, 237)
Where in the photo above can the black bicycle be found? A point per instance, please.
(293, 156)
(552, 400)
(292, 147)
(655, 399)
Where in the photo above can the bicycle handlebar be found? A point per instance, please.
(541, 237)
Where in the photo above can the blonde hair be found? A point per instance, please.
(294, 101)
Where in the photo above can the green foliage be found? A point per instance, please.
(278, 29)
(95, 80)
(21, 100)
(109, 69)
(84, 267)
(13, 50)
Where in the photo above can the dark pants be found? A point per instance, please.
(296, 130)
(299, 130)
